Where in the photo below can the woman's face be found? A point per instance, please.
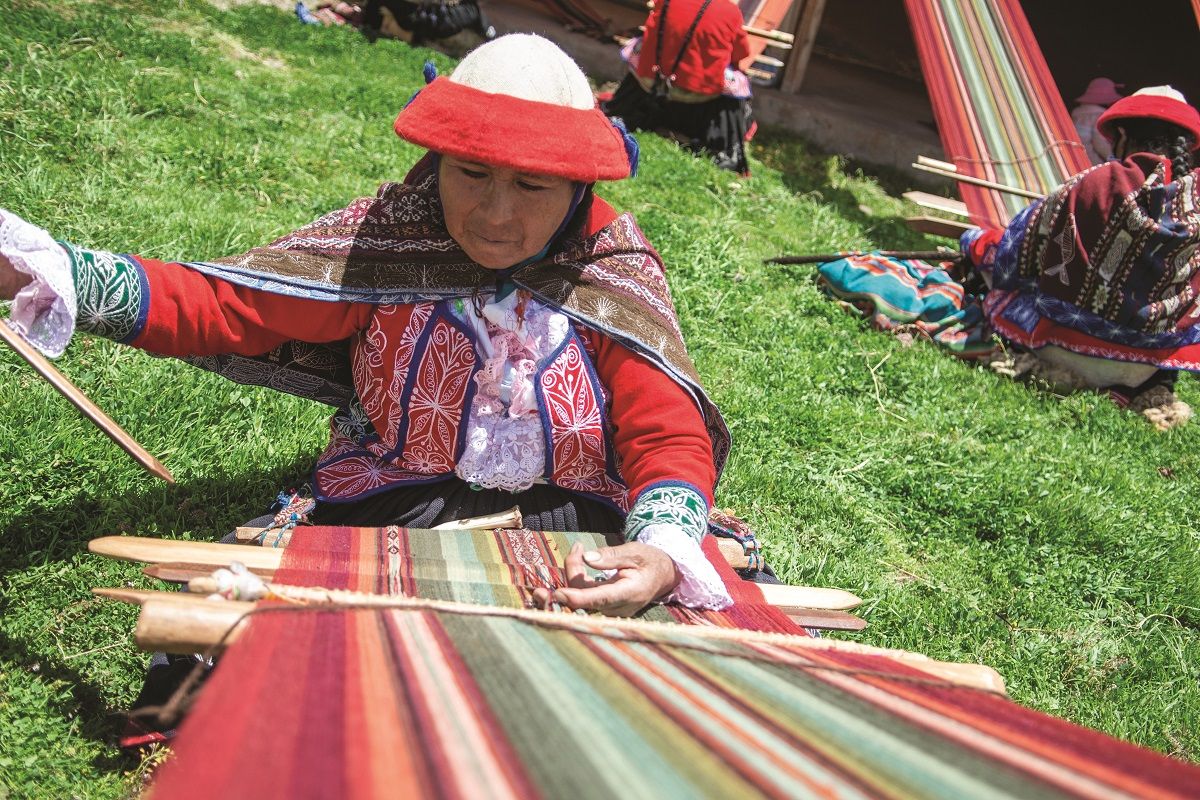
(499, 216)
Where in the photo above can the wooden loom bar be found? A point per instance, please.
(505, 520)
(143, 549)
(825, 619)
(937, 226)
(81, 401)
(179, 624)
(971, 179)
(808, 21)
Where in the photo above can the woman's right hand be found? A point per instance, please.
(11, 279)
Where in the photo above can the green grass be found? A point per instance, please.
(980, 520)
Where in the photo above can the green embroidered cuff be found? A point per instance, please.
(112, 293)
(668, 504)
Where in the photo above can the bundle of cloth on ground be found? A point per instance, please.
(911, 296)
(415, 22)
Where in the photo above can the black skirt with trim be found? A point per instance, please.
(717, 128)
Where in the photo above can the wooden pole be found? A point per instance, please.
(168, 626)
(824, 258)
(937, 226)
(81, 401)
(808, 21)
(186, 627)
(824, 619)
(160, 551)
(924, 166)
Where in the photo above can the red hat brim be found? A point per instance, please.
(1150, 106)
(525, 135)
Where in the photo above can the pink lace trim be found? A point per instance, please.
(699, 586)
(44, 311)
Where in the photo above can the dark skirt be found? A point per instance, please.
(717, 128)
(543, 508)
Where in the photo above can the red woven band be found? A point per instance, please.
(525, 135)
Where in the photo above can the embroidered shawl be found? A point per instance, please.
(394, 248)
(1120, 241)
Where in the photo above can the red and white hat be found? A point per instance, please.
(1154, 102)
(520, 102)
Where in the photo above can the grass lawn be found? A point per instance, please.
(1051, 538)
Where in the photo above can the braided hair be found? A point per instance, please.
(1144, 135)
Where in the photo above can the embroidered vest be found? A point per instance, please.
(407, 422)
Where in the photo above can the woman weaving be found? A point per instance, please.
(511, 339)
(1102, 277)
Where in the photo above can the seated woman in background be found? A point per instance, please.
(1099, 95)
(1101, 279)
(506, 338)
(684, 80)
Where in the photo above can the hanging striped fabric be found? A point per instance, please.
(999, 113)
(420, 703)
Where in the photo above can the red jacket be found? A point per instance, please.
(718, 42)
(654, 427)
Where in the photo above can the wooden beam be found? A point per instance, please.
(938, 203)
(165, 551)
(173, 626)
(808, 21)
(937, 226)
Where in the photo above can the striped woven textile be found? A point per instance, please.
(911, 296)
(999, 113)
(493, 568)
(498, 703)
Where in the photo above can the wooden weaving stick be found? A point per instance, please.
(928, 165)
(174, 622)
(505, 520)
(159, 551)
(81, 401)
(825, 258)
(824, 619)
(937, 226)
(938, 203)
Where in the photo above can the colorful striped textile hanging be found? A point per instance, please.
(493, 568)
(483, 703)
(999, 113)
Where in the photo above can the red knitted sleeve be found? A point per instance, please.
(658, 431)
(189, 313)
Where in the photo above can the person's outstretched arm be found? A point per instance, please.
(163, 307)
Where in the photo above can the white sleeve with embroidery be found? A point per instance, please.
(44, 311)
(674, 519)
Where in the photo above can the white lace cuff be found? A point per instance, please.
(699, 585)
(44, 311)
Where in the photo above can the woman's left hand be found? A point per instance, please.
(644, 574)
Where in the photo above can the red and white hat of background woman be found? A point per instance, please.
(1100, 92)
(1154, 102)
(520, 102)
